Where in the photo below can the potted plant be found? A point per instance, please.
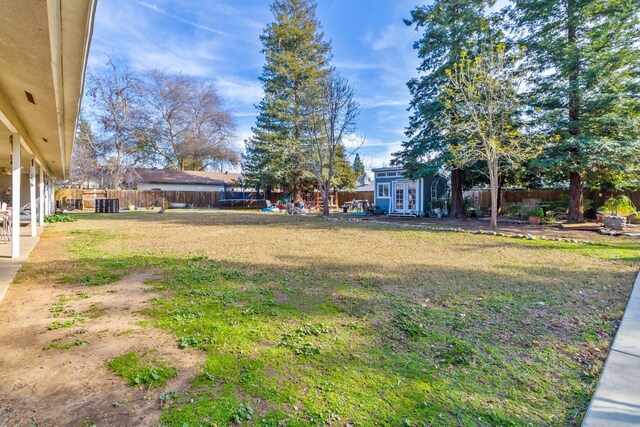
(535, 216)
(436, 207)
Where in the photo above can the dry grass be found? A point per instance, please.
(420, 328)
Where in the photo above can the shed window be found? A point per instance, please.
(381, 174)
(383, 190)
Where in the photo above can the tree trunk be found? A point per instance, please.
(576, 186)
(325, 199)
(493, 184)
(457, 201)
(297, 191)
(576, 208)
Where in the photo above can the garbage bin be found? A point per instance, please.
(107, 205)
(345, 208)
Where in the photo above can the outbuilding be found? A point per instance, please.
(398, 195)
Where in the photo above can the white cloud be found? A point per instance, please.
(393, 36)
(194, 24)
(240, 91)
(346, 65)
(383, 101)
(244, 114)
(374, 152)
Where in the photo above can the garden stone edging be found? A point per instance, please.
(482, 232)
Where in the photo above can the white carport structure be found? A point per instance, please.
(43, 55)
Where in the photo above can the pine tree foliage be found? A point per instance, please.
(449, 28)
(296, 63)
(584, 70)
(358, 167)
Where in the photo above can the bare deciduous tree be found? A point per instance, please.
(113, 95)
(84, 158)
(172, 120)
(187, 127)
(483, 100)
(328, 120)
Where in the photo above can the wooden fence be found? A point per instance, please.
(84, 199)
(355, 195)
(483, 197)
(142, 198)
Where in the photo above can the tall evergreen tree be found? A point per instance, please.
(450, 27)
(358, 167)
(584, 66)
(296, 63)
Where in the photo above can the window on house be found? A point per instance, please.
(383, 190)
(381, 174)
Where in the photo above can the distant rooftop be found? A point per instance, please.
(387, 168)
(165, 176)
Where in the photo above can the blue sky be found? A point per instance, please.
(219, 40)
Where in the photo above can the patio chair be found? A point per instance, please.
(25, 211)
(5, 226)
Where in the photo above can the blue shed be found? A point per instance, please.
(401, 196)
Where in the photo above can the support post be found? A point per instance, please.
(48, 190)
(32, 198)
(41, 191)
(52, 193)
(15, 195)
(46, 195)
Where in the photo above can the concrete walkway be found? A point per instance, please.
(10, 266)
(616, 402)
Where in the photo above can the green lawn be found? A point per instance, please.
(312, 322)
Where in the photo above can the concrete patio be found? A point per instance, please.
(10, 266)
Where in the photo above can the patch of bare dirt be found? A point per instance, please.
(74, 386)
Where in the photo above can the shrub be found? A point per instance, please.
(620, 206)
(539, 212)
(58, 218)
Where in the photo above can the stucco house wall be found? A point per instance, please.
(5, 182)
